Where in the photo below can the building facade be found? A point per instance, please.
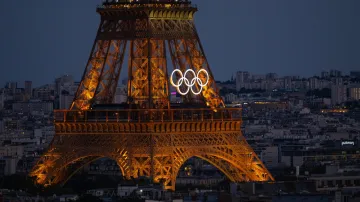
(338, 94)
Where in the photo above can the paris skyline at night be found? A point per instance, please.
(179, 100)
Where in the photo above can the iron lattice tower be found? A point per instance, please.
(152, 140)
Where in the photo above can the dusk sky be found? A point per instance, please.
(41, 40)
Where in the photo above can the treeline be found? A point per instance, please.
(225, 91)
(321, 93)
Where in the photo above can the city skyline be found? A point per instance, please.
(264, 75)
(274, 117)
(287, 37)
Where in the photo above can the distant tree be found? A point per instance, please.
(256, 90)
(355, 80)
(27, 183)
(228, 82)
(88, 198)
(131, 200)
(352, 104)
(65, 92)
(290, 186)
(16, 182)
(225, 91)
(323, 93)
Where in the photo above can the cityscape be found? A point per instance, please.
(305, 130)
(141, 136)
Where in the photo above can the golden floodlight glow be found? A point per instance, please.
(189, 84)
(212, 133)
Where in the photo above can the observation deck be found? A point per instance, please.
(148, 115)
(143, 4)
(114, 2)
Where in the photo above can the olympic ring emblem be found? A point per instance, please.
(184, 80)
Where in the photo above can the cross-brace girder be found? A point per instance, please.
(226, 149)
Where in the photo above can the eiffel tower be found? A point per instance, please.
(148, 136)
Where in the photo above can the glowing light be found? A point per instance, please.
(348, 143)
(189, 84)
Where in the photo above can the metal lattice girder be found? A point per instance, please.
(138, 87)
(159, 78)
(91, 76)
(181, 60)
(153, 141)
(108, 81)
(199, 61)
(129, 144)
(148, 72)
(101, 74)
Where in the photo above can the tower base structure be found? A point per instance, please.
(153, 143)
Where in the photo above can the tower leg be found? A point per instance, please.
(181, 60)
(190, 53)
(138, 70)
(159, 80)
(90, 80)
(199, 61)
(148, 83)
(111, 70)
(101, 74)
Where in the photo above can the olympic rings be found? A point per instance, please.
(184, 80)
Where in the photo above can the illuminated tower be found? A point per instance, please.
(148, 137)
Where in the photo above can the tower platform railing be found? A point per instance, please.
(144, 4)
(149, 115)
(112, 2)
